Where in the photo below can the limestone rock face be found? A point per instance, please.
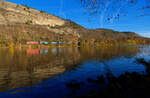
(11, 13)
(19, 23)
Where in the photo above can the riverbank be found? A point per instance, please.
(79, 44)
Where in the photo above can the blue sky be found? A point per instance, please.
(73, 10)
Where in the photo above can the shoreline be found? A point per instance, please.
(48, 46)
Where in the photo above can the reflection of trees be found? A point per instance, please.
(19, 69)
(106, 53)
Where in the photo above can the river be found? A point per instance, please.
(48, 72)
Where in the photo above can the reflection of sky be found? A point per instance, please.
(71, 9)
(43, 51)
(144, 53)
(116, 66)
(56, 50)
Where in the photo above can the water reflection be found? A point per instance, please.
(44, 51)
(27, 67)
(32, 51)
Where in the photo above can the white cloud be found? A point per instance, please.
(145, 34)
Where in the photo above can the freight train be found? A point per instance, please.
(45, 42)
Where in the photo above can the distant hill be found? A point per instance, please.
(20, 23)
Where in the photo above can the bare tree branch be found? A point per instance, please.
(111, 10)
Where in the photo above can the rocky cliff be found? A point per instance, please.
(19, 23)
(12, 13)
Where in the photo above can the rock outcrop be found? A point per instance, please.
(19, 23)
(13, 13)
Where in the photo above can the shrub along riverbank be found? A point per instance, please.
(84, 43)
(100, 44)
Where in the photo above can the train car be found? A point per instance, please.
(54, 42)
(68, 42)
(61, 42)
(43, 42)
(32, 42)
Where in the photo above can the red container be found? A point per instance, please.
(32, 42)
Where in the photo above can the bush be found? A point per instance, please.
(11, 44)
(17, 6)
(28, 22)
(42, 11)
(26, 6)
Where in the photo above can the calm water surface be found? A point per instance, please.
(45, 72)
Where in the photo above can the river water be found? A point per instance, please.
(46, 72)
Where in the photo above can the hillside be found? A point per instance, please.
(12, 13)
(20, 23)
